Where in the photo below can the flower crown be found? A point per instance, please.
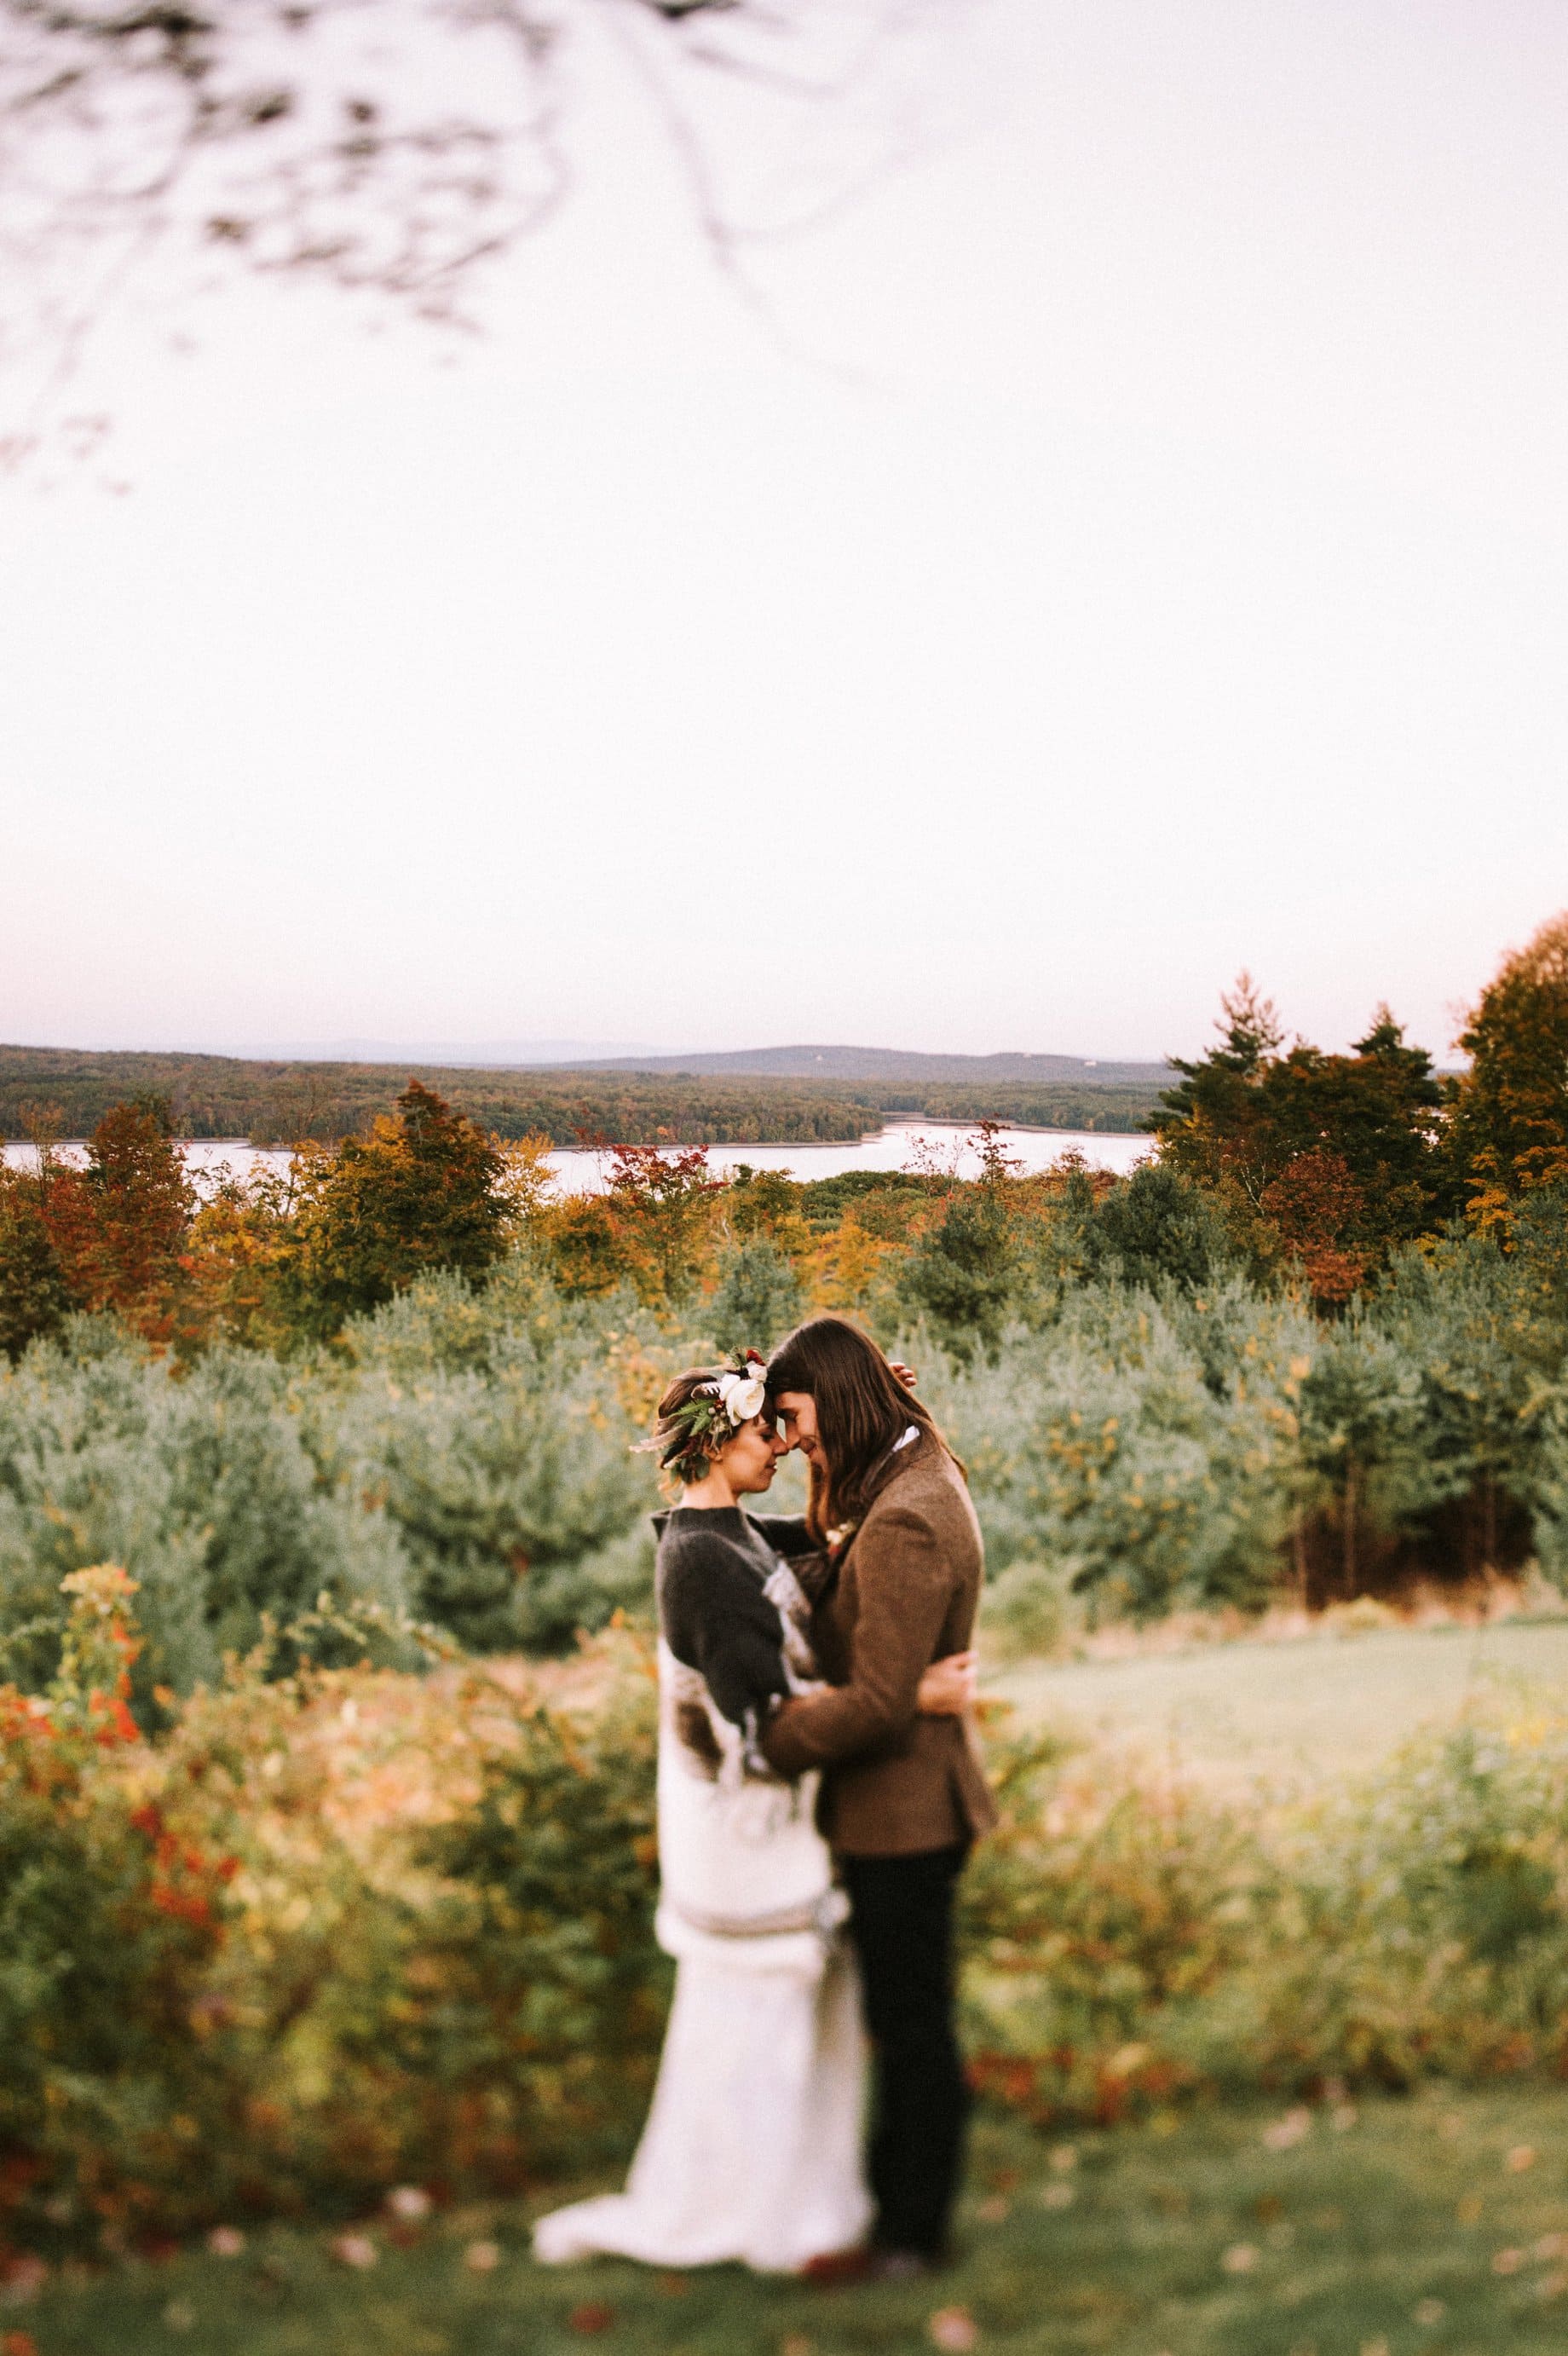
(691, 1435)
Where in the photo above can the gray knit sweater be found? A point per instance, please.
(713, 1566)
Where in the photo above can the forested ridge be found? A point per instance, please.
(278, 1103)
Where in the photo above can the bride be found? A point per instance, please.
(752, 2150)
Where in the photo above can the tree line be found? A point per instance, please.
(279, 1103)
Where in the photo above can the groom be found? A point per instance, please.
(902, 1795)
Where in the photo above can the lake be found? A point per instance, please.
(901, 1145)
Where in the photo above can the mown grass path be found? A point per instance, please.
(1435, 2225)
(1291, 1712)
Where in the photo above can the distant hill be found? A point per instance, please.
(478, 1055)
(895, 1065)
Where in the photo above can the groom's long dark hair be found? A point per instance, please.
(862, 1412)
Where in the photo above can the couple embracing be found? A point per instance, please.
(819, 1791)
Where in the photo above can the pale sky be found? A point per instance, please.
(1130, 544)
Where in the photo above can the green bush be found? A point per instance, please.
(758, 1297)
(200, 1483)
(1129, 1937)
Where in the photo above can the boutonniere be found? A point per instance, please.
(839, 1539)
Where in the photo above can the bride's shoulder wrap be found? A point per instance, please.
(741, 1862)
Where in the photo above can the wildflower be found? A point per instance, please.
(409, 2204)
(355, 2250)
(954, 2329)
(226, 2242)
(22, 2279)
(1059, 2196)
(1282, 2135)
(1522, 2157)
(591, 2317)
(1063, 2156)
(482, 2257)
(1508, 2262)
(1428, 2312)
(1240, 2258)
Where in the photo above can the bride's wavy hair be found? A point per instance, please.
(862, 1412)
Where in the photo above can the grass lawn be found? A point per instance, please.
(1431, 2226)
(1286, 1711)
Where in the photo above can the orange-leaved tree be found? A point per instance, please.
(118, 1228)
(1509, 1125)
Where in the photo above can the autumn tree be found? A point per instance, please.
(1509, 1125)
(661, 1202)
(425, 1190)
(118, 1227)
(35, 1298)
(1343, 1155)
(1209, 1125)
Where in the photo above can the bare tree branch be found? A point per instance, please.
(397, 148)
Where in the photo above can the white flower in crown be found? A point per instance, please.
(744, 1396)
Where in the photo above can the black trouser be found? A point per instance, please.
(901, 1921)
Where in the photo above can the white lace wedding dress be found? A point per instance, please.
(752, 2147)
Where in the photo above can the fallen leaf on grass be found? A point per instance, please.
(1551, 2285)
(22, 2279)
(672, 2286)
(1240, 2258)
(355, 2250)
(954, 2328)
(18, 2343)
(1283, 2135)
(1343, 2117)
(1427, 2312)
(1063, 2156)
(993, 2210)
(1551, 2245)
(1508, 2262)
(797, 2344)
(1374, 2348)
(591, 2318)
(1468, 2211)
(482, 2257)
(1522, 2157)
(1059, 2196)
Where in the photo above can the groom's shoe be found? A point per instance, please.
(835, 2269)
(839, 2269)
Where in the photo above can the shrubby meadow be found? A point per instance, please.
(327, 1797)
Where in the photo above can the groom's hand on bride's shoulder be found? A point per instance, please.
(906, 1375)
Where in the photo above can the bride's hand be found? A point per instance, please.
(948, 1688)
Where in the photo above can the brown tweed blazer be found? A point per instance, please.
(901, 1595)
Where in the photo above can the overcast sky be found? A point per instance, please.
(1130, 544)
